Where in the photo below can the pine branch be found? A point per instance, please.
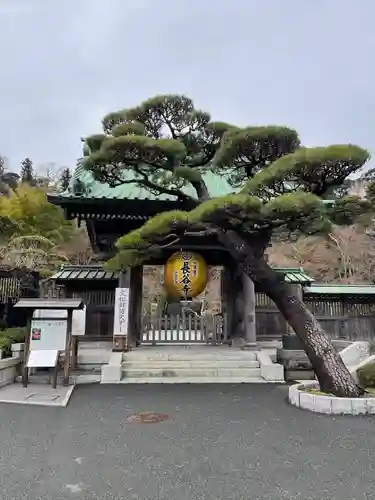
(144, 182)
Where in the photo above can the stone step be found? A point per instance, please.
(190, 372)
(192, 363)
(145, 357)
(93, 358)
(194, 380)
(94, 368)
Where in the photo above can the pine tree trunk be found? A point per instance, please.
(332, 374)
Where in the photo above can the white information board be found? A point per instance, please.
(48, 334)
(50, 313)
(79, 322)
(42, 359)
(121, 319)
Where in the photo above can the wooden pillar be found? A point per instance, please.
(25, 370)
(238, 325)
(138, 291)
(233, 304)
(68, 347)
(135, 305)
(249, 312)
(75, 347)
(226, 301)
(124, 279)
(74, 340)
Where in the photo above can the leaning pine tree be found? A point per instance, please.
(165, 145)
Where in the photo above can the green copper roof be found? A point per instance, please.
(96, 272)
(90, 188)
(340, 289)
(217, 186)
(86, 272)
(295, 276)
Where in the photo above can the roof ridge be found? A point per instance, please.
(80, 266)
(343, 284)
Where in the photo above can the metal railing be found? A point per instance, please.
(184, 329)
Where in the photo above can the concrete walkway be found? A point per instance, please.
(222, 443)
(36, 394)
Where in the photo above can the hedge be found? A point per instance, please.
(11, 336)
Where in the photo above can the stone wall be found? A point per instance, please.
(8, 370)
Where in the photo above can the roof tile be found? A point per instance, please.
(217, 186)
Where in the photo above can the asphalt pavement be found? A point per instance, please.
(230, 442)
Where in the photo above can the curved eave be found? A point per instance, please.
(57, 199)
(85, 208)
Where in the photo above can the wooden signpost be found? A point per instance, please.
(48, 337)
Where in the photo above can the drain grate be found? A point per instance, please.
(42, 397)
(148, 417)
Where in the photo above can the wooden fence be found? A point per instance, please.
(183, 328)
(347, 319)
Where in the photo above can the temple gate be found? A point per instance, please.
(112, 212)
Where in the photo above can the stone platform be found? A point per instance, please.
(36, 394)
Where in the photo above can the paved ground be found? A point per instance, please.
(232, 442)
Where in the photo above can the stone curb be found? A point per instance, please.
(330, 405)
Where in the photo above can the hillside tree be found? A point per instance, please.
(165, 144)
(65, 178)
(27, 171)
(8, 180)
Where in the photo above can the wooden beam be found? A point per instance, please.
(25, 370)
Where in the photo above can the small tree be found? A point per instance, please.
(33, 252)
(31, 213)
(8, 180)
(65, 178)
(2, 166)
(27, 171)
(165, 145)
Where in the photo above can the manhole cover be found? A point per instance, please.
(148, 417)
(42, 397)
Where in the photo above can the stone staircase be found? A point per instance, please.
(201, 364)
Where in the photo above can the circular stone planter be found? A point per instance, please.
(329, 404)
(291, 343)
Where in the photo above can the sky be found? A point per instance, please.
(306, 64)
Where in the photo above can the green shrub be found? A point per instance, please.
(5, 344)
(16, 335)
(366, 375)
(11, 336)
